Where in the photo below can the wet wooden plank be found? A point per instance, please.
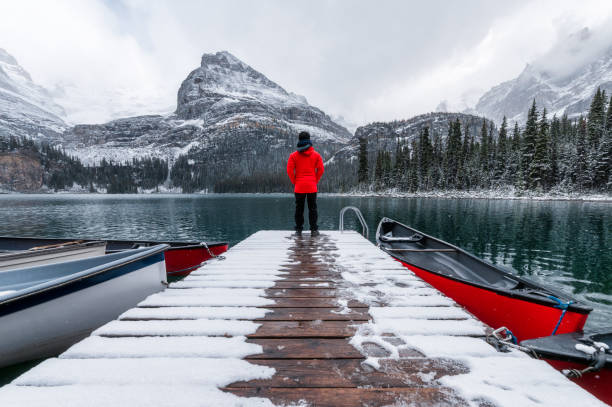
(313, 314)
(301, 293)
(310, 348)
(303, 279)
(304, 329)
(353, 373)
(356, 397)
(301, 284)
(291, 274)
(311, 303)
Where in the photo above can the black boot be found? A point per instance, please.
(314, 233)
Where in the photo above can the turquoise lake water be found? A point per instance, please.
(566, 244)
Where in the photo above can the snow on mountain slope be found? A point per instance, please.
(563, 81)
(26, 109)
(223, 98)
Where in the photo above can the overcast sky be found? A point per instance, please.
(364, 60)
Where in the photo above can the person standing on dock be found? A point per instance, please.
(305, 169)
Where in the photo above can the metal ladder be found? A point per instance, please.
(365, 231)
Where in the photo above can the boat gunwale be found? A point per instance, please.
(81, 275)
(576, 305)
(18, 254)
(170, 243)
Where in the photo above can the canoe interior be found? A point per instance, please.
(8, 243)
(454, 263)
(16, 283)
(451, 263)
(427, 253)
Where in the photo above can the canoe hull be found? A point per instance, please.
(598, 384)
(181, 261)
(525, 319)
(43, 257)
(66, 315)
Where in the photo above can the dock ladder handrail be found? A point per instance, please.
(364, 226)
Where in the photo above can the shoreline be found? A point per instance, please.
(491, 195)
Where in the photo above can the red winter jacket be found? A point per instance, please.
(305, 169)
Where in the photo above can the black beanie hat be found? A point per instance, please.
(304, 135)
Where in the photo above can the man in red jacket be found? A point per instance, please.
(305, 169)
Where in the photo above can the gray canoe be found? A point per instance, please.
(50, 254)
(46, 309)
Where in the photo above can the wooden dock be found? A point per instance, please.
(327, 321)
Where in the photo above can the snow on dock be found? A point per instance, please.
(331, 321)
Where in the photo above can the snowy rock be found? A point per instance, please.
(26, 109)
(227, 112)
(566, 87)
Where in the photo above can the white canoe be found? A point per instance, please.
(46, 309)
(12, 260)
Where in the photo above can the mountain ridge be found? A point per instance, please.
(561, 90)
(26, 108)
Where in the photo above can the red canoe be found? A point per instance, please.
(181, 257)
(496, 297)
(182, 260)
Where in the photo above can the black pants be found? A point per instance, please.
(312, 210)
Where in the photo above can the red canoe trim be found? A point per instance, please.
(598, 384)
(180, 261)
(526, 319)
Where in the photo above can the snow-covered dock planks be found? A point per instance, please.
(328, 321)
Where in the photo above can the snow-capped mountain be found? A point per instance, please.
(224, 102)
(563, 81)
(26, 109)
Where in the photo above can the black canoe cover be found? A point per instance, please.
(573, 347)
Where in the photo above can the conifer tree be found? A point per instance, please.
(603, 173)
(453, 153)
(378, 170)
(413, 179)
(484, 151)
(362, 173)
(528, 146)
(438, 162)
(595, 132)
(555, 136)
(464, 168)
(539, 168)
(580, 176)
(424, 158)
(596, 119)
(502, 151)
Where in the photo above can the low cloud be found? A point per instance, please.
(362, 60)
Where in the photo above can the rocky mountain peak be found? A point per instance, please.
(26, 108)
(227, 113)
(11, 71)
(7, 58)
(223, 59)
(562, 81)
(222, 79)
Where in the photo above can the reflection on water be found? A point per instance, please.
(562, 243)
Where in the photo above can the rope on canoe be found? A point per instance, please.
(598, 361)
(212, 255)
(562, 306)
(502, 339)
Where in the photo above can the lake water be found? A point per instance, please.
(566, 244)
